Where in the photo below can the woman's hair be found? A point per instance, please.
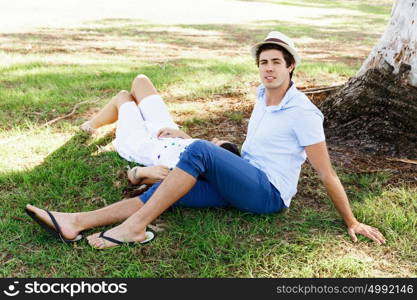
(231, 147)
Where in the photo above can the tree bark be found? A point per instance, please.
(376, 111)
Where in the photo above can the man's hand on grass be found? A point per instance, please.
(366, 230)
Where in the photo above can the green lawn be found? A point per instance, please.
(208, 79)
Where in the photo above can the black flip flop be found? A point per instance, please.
(149, 237)
(57, 233)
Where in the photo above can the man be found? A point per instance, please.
(284, 128)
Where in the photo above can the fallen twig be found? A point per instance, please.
(408, 161)
(74, 109)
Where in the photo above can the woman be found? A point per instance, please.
(146, 133)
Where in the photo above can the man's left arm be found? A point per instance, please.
(319, 158)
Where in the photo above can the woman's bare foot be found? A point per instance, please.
(147, 175)
(68, 222)
(119, 233)
(88, 128)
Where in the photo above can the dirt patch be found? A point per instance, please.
(354, 161)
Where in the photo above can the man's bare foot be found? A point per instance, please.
(67, 221)
(119, 233)
(88, 128)
(147, 175)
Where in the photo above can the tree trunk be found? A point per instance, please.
(377, 110)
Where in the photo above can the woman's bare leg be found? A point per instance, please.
(142, 87)
(109, 113)
(72, 224)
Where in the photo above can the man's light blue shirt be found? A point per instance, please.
(277, 136)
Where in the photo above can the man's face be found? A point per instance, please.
(273, 70)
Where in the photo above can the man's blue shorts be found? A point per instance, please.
(224, 179)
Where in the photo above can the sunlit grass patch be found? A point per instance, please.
(207, 77)
(318, 69)
(183, 108)
(22, 150)
(236, 116)
(320, 73)
(194, 121)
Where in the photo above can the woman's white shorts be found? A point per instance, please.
(137, 128)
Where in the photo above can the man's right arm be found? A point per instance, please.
(319, 158)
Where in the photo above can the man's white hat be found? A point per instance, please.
(276, 37)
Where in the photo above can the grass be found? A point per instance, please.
(209, 88)
(46, 91)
